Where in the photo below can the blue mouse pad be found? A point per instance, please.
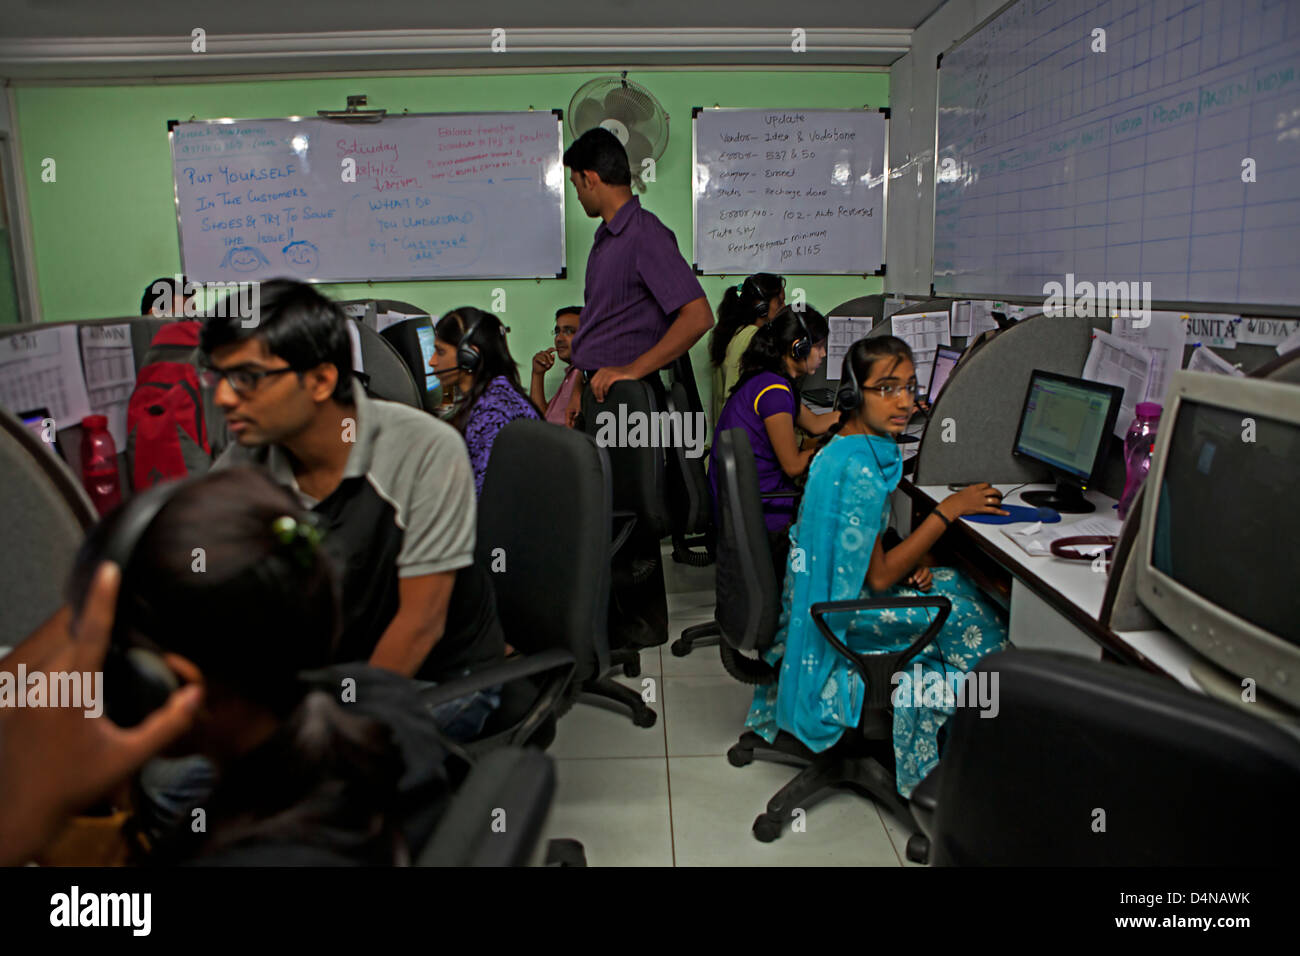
(1018, 513)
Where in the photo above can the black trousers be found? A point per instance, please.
(638, 609)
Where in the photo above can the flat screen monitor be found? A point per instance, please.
(945, 359)
(1222, 529)
(425, 334)
(1065, 425)
(35, 420)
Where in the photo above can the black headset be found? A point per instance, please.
(849, 395)
(801, 347)
(468, 357)
(136, 679)
(750, 287)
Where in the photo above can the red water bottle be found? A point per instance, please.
(99, 464)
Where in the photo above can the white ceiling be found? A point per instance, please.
(83, 39)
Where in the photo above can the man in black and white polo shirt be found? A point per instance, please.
(392, 484)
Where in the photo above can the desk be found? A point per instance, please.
(1053, 604)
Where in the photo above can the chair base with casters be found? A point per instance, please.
(684, 550)
(697, 635)
(863, 758)
(608, 688)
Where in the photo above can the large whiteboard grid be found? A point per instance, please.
(431, 196)
(789, 191)
(1124, 165)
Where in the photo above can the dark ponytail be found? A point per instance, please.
(742, 305)
(773, 342)
(858, 362)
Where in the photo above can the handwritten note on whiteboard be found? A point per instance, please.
(789, 191)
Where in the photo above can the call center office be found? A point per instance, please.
(1035, 419)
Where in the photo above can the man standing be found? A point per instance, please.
(644, 309)
(644, 306)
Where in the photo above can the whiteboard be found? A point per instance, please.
(1123, 165)
(790, 191)
(434, 196)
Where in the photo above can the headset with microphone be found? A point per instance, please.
(469, 358)
(137, 681)
(801, 347)
(749, 288)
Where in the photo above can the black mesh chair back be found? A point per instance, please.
(544, 527)
(636, 473)
(1091, 763)
(691, 506)
(748, 593)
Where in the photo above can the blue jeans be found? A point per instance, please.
(463, 719)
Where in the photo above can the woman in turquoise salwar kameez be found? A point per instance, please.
(836, 554)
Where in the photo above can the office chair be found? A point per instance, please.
(689, 500)
(386, 374)
(747, 615)
(1174, 777)
(638, 599)
(47, 513)
(497, 814)
(544, 530)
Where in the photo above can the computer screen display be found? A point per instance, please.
(35, 421)
(425, 333)
(944, 360)
(1065, 422)
(1226, 525)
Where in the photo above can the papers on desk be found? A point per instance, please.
(1164, 337)
(1116, 361)
(109, 361)
(1204, 359)
(42, 369)
(844, 331)
(924, 332)
(1036, 539)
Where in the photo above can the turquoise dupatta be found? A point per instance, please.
(819, 693)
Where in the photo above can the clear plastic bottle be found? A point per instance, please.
(99, 464)
(1138, 445)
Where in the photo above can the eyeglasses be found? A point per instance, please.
(567, 330)
(890, 391)
(243, 380)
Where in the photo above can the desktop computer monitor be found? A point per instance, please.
(413, 339)
(1066, 424)
(945, 359)
(1222, 530)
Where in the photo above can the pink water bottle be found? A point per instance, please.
(99, 464)
(1138, 445)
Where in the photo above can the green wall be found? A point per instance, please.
(107, 225)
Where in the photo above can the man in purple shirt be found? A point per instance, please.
(644, 307)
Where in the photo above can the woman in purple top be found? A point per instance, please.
(766, 405)
(470, 352)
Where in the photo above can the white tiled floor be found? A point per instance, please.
(666, 795)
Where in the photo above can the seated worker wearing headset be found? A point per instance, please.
(470, 352)
(393, 485)
(765, 404)
(842, 516)
(306, 772)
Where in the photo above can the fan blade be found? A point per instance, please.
(587, 116)
(629, 104)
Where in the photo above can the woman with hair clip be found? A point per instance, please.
(342, 765)
(765, 403)
(842, 516)
(743, 310)
(470, 352)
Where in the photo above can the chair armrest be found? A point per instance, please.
(629, 522)
(876, 668)
(504, 673)
(518, 782)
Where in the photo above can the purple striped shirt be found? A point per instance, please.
(636, 280)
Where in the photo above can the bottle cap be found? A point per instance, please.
(95, 421)
(1148, 409)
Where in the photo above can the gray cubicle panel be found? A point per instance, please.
(980, 405)
(143, 329)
